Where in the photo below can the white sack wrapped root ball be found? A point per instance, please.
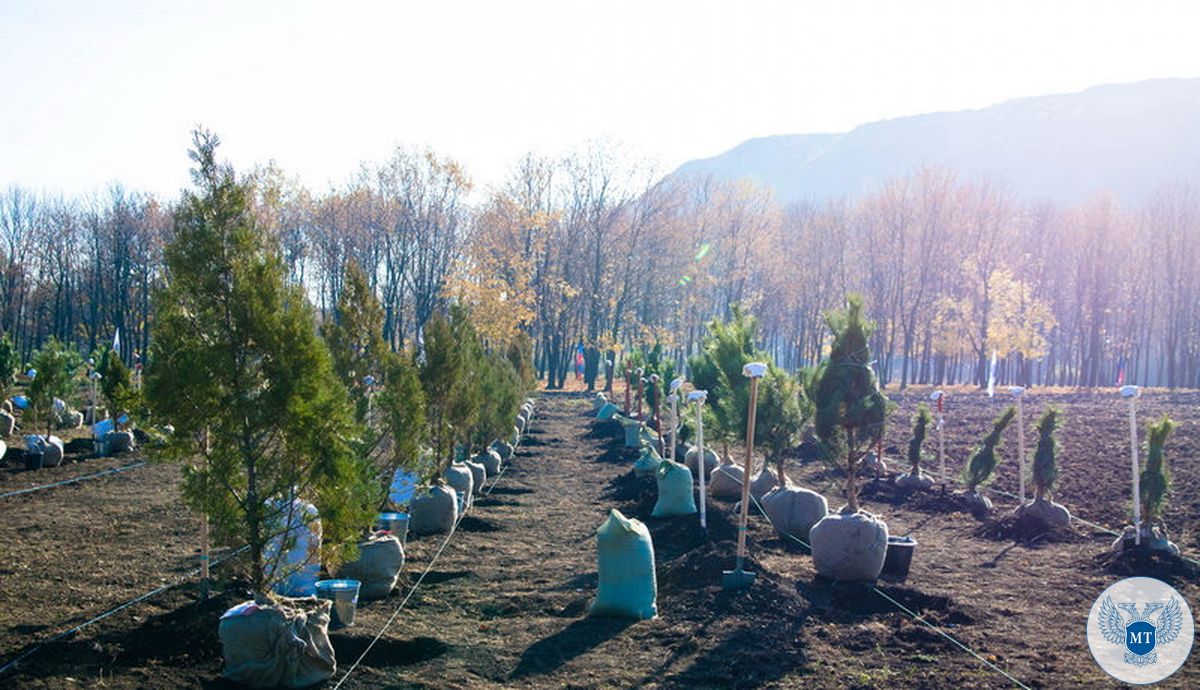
(914, 482)
(711, 460)
(1050, 513)
(504, 449)
(794, 511)
(461, 479)
(762, 483)
(283, 644)
(491, 461)
(849, 547)
(380, 559)
(726, 481)
(434, 511)
(479, 476)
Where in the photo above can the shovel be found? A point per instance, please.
(739, 578)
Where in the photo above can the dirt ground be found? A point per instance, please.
(506, 602)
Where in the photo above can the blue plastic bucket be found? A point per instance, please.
(396, 523)
(102, 427)
(344, 595)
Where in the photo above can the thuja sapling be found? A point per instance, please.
(1045, 475)
(1153, 483)
(914, 479)
(983, 462)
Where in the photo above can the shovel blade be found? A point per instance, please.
(737, 579)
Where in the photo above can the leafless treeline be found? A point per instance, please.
(590, 250)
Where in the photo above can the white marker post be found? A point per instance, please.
(939, 396)
(698, 397)
(94, 377)
(657, 412)
(1019, 393)
(1133, 392)
(675, 421)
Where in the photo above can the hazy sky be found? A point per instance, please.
(95, 92)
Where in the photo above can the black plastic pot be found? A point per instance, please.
(899, 556)
(33, 461)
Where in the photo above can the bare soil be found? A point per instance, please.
(505, 604)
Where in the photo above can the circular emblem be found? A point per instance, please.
(1140, 630)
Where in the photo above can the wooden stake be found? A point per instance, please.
(204, 549)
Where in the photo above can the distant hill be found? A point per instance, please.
(1127, 139)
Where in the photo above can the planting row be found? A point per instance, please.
(843, 400)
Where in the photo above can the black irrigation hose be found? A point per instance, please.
(96, 475)
(445, 542)
(136, 600)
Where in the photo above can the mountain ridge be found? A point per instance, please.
(1125, 139)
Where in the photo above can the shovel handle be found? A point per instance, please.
(745, 514)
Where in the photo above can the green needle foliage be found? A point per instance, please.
(984, 461)
(717, 368)
(501, 401)
(355, 337)
(236, 360)
(783, 410)
(1045, 460)
(851, 410)
(453, 394)
(657, 365)
(1155, 479)
(401, 408)
(116, 385)
(56, 366)
(394, 430)
(920, 425)
(520, 355)
(10, 361)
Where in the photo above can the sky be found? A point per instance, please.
(100, 92)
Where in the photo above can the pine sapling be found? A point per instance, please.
(851, 410)
(1045, 462)
(1155, 478)
(56, 368)
(984, 461)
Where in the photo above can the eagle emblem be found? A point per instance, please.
(1138, 634)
